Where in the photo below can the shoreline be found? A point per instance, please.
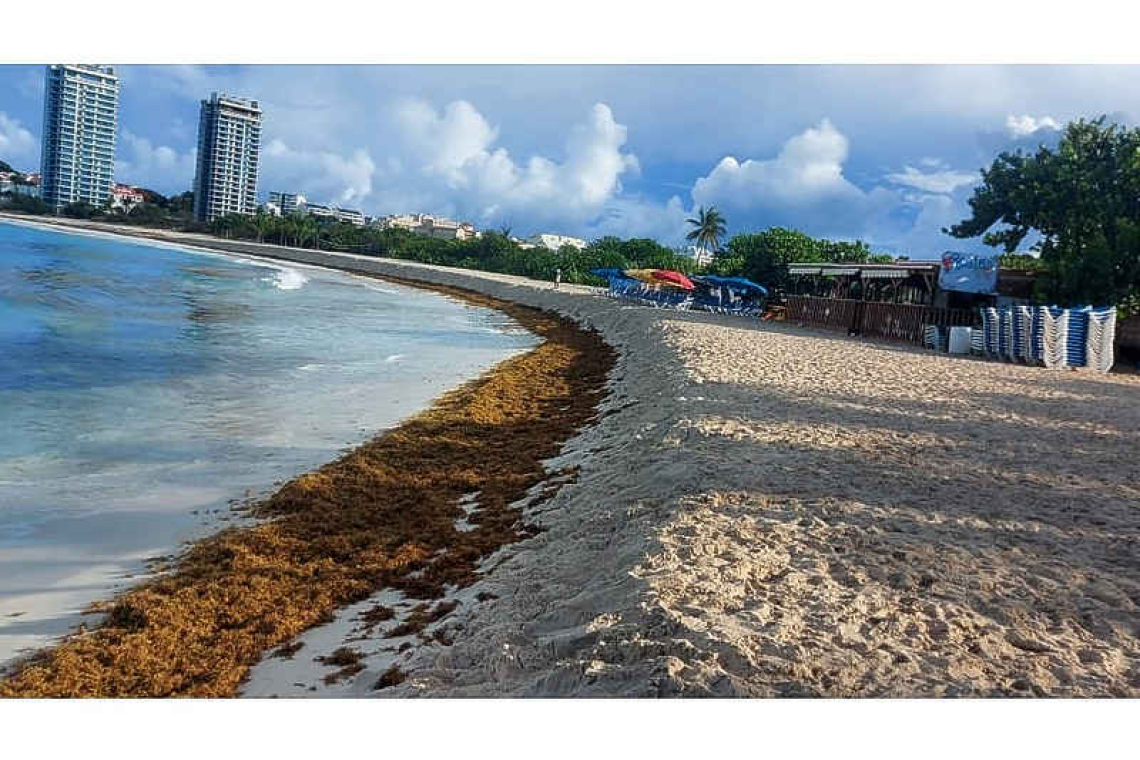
(764, 510)
(516, 392)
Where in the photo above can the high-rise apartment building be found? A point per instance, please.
(229, 142)
(81, 109)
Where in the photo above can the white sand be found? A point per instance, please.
(768, 511)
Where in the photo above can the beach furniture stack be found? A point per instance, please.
(1080, 338)
(978, 342)
(936, 338)
(1100, 340)
(1023, 342)
(990, 324)
(1054, 336)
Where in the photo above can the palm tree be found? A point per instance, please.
(708, 228)
(264, 224)
(305, 229)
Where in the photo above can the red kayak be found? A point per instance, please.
(674, 278)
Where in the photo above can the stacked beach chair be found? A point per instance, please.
(1101, 337)
(1075, 338)
(978, 343)
(936, 338)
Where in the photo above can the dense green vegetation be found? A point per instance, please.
(491, 252)
(25, 204)
(763, 257)
(760, 256)
(1022, 261)
(1083, 198)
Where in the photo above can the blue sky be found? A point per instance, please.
(886, 154)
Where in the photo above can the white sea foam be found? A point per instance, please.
(287, 279)
(379, 289)
(394, 358)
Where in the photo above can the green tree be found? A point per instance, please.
(1022, 261)
(27, 204)
(1082, 198)
(708, 229)
(304, 230)
(80, 210)
(264, 224)
(844, 252)
(183, 203)
(148, 215)
(764, 256)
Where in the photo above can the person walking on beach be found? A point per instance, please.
(558, 278)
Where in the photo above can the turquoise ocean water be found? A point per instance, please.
(144, 387)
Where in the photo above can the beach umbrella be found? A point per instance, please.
(743, 283)
(670, 277)
(645, 275)
(737, 283)
(607, 273)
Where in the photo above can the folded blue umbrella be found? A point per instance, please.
(739, 283)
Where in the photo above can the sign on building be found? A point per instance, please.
(968, 273)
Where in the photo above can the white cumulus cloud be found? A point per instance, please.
(807, 170)
(18, 146)
(1023, 126)
(140, 162)
(802, 186)
(940, 178)
(322, 176)
(451, 161)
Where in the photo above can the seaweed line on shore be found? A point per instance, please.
(381, 516)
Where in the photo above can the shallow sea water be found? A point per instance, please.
(144, 387)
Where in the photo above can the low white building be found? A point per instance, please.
(20, 184)
(554, 242)
(125, 197)
(429, 226)
(702, 256)
(318, 210)
(352, 216)
(287, 203)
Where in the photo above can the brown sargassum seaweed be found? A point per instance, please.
(380, 516)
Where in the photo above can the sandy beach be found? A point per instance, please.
(763, 510)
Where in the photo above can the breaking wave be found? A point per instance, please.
(287, 279)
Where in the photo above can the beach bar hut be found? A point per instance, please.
(899, 300)
(896, 301)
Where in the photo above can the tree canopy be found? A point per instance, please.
(28, 204)
(764, 256)
(1082, 198)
